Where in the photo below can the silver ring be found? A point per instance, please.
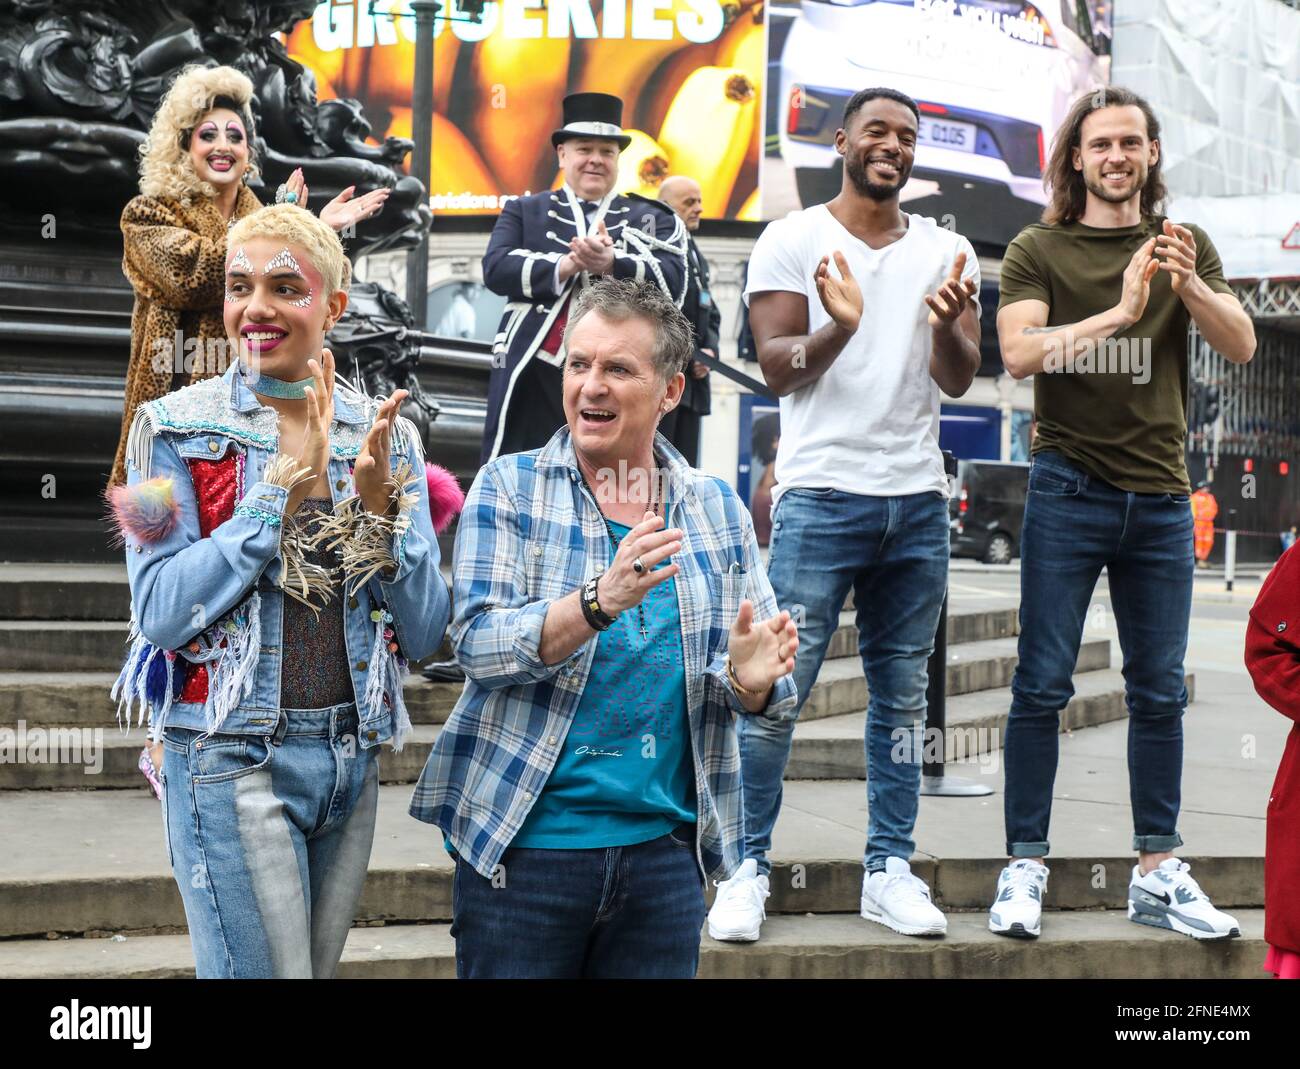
(638, 567)
(280, 192)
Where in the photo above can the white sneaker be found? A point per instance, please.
(1168, 897)
(901, 901)
(738, 912)
(1017, 909)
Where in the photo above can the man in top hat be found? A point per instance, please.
(548, 246)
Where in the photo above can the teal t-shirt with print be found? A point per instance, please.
(625, 773)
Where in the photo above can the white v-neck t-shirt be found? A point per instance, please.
(870, 424)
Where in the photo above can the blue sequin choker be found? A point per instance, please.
(269, 387)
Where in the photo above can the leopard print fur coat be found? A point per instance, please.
(174, 256)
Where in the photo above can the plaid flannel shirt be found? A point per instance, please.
(531, 533)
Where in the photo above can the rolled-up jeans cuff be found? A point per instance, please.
(1157, 844)
(1028, 849)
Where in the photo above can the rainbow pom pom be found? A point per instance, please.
(446, 498)
(146, 512)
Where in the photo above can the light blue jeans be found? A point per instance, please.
(269, 840)
(893, 553)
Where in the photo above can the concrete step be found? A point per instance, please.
(75, 697)
(83, 755)
(78, 862)
(64, 592)
(984, 664)
(833, 747)
(62, 645)
(51, 644)
(48, 591)
(80, 699)
(99, 644)
(1100, 945)
(70, 758)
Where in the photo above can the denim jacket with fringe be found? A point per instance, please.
(210, 555)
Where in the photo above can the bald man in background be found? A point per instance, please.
(682, 425)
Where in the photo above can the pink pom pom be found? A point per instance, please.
(446, 498)
(147, 512)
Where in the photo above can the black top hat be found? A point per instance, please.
(592, 115)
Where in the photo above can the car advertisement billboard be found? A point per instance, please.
(743, 95)
(993, 80)
(689, 72)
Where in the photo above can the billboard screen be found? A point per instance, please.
(689, 72)
(993, 79)
(743, 95)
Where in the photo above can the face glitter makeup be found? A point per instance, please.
(240, 261)
(304, 302)
(284, 258)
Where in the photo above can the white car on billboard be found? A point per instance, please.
(993, 79)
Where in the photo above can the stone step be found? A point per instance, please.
(83, 756)
(975, 724)
(973, 666)
(80, 699)
(98, 645)
(70, 758)
(64, 592)
(62, 645)
(78, 862)
(1099, 945)
(49, 591)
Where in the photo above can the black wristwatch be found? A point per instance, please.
(599, 620)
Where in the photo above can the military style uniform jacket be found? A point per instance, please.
(530, 238)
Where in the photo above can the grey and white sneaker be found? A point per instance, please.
(1017, 909)
(1168, 897)
(901, 901)
(738, 911)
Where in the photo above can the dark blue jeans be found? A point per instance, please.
(624, 912)
(1075, 525)
(893, 553)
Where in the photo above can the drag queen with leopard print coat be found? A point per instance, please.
(194, 168)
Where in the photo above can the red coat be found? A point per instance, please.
(1273, 660)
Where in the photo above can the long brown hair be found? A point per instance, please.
(1065, 185)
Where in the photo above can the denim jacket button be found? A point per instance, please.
(341, 484)
(372, 735)
(352, 603)
(212, 446)
(361, 666)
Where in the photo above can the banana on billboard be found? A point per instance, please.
(690, 74)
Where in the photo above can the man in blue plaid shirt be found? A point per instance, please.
(613, 620)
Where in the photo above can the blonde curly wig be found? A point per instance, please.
(295, 225)
(165, 166)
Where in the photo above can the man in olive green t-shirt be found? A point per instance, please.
(1095, 304)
